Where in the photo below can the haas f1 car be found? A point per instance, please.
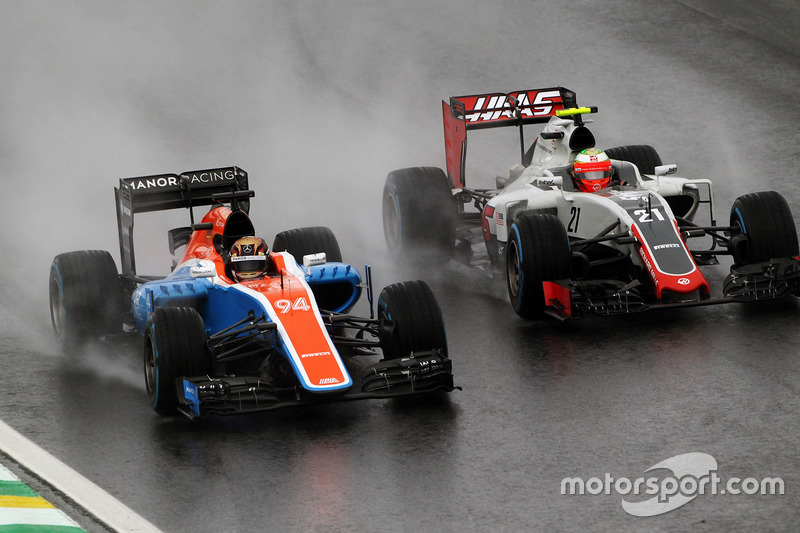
(565, 251)
(215, 345)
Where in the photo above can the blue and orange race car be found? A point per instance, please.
(216, 344)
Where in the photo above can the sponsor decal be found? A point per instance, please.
(650, 269)
(328, 381)
(493, 107)
(210, 177)
(673, 483)
(315, 354)
(684, 281)
(661, 246)
(241, 258)
(627, 195)
(547, 149)
(158, 182)
(203, 270)
(155, 182)
(191, 396)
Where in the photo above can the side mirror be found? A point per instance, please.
(314, 259)
(203, 271)
(549, 181)
(663, 170)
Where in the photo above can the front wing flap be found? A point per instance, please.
(763, 281)
(422, 372)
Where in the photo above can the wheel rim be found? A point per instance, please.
(150, 366)
(513, 268)
(56, 306)
(391, 222)
(738, 225)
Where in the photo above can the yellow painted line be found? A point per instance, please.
(36, 502)
(94, 500)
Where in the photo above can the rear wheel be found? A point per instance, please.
(419, 212)
(537, 251)
(174, 347)
(414, 320)
(643, 156)
(304, 241)
(763, 228)
(86, 298)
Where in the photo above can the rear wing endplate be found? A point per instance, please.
(493, 110)
(162, 192)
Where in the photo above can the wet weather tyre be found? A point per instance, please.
(644, 156)
(411, 319)
(304, 241)
(537, 251)
(763, 228)
(86, 297)
(419, 211)
(174, 346)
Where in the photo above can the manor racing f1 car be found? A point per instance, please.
(216, 346)
(565, 252)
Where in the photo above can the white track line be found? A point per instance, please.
(83, 492)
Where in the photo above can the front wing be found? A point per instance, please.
(770, 280)
(421, 373)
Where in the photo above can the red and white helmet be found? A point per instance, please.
(591, 170)
(249, 258)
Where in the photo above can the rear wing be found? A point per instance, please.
(161, 192)
(493, 110)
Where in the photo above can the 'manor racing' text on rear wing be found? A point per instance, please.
(492, 110)
(172, 191)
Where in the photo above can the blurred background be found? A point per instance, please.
(318, 101)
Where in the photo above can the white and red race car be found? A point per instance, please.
(565, 252)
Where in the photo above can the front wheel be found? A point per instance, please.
(537, 251)
(763, 228)
(411, 319)
(304, 241)
(644, 156)
(174, 347)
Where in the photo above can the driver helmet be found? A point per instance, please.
(249, 258)
(591, 170)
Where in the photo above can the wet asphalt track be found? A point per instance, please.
(711, 87)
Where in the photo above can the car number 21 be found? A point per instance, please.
(574, 218)
(646, 215)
